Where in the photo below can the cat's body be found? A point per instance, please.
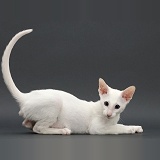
(57, 112)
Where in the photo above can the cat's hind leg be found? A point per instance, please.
(45, 111)
(44, 127)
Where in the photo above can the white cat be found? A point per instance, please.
(57, 112)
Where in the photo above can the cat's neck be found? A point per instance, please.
(97, 108)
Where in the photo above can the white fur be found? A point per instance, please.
(57, 112)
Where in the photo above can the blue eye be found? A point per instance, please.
(106, 103)
(117, 106)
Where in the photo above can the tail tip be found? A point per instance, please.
(29, 30)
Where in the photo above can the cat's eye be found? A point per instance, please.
(106, 103)
(117, 106)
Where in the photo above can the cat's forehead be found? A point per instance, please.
(114, 92)
(113, 95)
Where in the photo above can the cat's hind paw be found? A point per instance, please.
(66, 131)
(27, 123)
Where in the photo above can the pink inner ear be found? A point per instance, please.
(103, 88)
(128, 93)
(126, 97)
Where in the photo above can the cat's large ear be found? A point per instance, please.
(127, 94)
(103, 87)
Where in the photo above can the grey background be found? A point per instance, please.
(72, 45)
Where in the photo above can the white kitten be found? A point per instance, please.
(56, 112)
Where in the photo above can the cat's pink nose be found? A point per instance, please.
(109, 114)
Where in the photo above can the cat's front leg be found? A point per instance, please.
(123, 129)
(116, 129)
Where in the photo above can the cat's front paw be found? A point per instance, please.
(66, 131)
(134, 129)
(138, 129)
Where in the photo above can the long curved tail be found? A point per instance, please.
(5, 66)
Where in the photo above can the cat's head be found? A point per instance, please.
(112, 100)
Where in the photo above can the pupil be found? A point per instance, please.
(106, 103)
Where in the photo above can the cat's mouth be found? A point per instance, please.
(110, 117)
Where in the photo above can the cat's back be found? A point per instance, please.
(49, 97)
(50, 94)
